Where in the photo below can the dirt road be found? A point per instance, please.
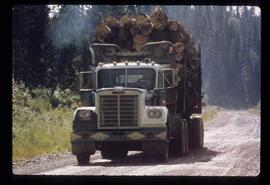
(232, 148)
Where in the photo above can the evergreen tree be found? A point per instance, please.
(29, 27)
(230, 42)
(48, 51)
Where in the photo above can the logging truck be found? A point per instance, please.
(136, 101)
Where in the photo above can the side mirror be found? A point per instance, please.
(87, 97)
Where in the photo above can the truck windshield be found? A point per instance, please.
(144, 78)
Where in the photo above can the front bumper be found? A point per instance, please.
(150, 140)
(142, 134)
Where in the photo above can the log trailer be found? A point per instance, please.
(136, 101)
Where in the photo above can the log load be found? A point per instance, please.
(125, 21)
(139, 40)
(103, 32)
(142, 28)
(112, 22)
(159, 19)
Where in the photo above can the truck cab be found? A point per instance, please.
(128, 102)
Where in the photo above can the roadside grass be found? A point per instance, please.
(37, 127)
(41, 133)
(209, 112)
(42, 125)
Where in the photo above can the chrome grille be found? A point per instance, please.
(118, 111)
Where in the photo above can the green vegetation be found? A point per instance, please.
(41, 123)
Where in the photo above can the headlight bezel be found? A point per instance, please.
(154, 113)
(84, 115)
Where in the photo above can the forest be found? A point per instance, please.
(50, 45)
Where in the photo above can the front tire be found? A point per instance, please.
(83, 159)
(165, 155)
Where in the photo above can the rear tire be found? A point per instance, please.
(179, 145)
(83, 159)
(185, 143)
(196, 133)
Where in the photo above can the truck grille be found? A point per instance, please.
(118, 111)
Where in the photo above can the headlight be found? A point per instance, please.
(155, 113)
(84, 114)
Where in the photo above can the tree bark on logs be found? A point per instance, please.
(159, 20)
(112, 22)
(131, 32)
(134, 28)
(175, 26)
(125, 21)
(142, 19)
(146, 28)
(175, 36)
(102, 31)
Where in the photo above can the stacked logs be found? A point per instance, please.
(131, 32)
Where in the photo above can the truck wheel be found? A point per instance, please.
(179, 145)
(202, 134)
(164, 157)
(183, 138)
(83, 159)
(196, 133)
(185, 124)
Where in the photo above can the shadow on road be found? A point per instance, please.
(199, 155)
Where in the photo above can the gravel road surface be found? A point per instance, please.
(231, 148)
